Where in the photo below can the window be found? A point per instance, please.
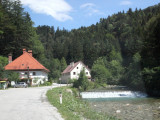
(74, 73)
(34, 73)
(26, 73)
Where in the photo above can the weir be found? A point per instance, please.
(113, 94)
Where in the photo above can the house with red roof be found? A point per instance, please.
(29, 69)
(73, 70)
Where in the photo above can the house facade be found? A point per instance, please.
(29, 69)
(73, 70)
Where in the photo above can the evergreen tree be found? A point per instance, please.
(82, 83)
(63, 64)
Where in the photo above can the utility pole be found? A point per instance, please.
(28, 75)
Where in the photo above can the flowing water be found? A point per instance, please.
(125, 105)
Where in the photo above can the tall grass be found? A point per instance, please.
(74, 108)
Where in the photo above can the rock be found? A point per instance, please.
(127, 104)
(95, 105)
(69, 91)
(118, 111)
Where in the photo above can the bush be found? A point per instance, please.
(72, 81)
(82, 83)
(47, 83)
(91, 85)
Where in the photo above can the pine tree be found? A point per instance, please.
(63, 64)
(82, 81)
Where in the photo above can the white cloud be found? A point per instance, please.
(90, 9)
(87, 5)
(58, 9)
(126, 2)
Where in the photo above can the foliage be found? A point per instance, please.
(99, 72)
(117, 39)
(150, 56)
(133, 75)
(116, 71)
(46, 83)
(63, 64)
(35, 80)
(70, 81)
(2, 72)
(73, 108)
(55, 69)
(151, 79)
(12, 76)
(82, 83)
(3, 61)
(17, 31)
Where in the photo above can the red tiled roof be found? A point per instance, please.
(23, 62)
(70, 68)
(3, 79)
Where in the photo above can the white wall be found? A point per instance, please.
(40, 76)
(76, 70)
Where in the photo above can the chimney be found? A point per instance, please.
(30, 52)
(72, 64)
(10, 58)
(24, 50)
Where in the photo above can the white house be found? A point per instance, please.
(73, 70)
(29, 69)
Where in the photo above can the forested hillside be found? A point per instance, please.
(121, 49)
(17, 31)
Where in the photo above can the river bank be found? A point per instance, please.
(128, 109)
(123, 103)
(73, 107)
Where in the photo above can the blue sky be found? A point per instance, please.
(72, 14)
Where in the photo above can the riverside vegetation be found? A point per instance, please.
(73, 108)
(121, 49)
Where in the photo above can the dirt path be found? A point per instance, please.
(27, 104)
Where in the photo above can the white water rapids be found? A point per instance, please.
(113, 94)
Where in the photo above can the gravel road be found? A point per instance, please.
(27, 104)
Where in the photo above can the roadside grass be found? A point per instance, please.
(73, 108)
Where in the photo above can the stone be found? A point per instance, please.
(69, 91)
(127, 104)
(118, 111)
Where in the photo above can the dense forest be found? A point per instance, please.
(121, 49)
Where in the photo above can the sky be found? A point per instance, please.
(73, 14)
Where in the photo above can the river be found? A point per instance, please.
(125, 106)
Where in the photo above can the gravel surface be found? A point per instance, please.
(27, 104)
(145, 109)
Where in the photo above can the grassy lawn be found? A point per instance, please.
(73, 108)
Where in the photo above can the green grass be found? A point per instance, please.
(73, 108)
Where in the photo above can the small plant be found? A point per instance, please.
(72, 81)
(35, 80)
(82, 83)
(46, 83)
